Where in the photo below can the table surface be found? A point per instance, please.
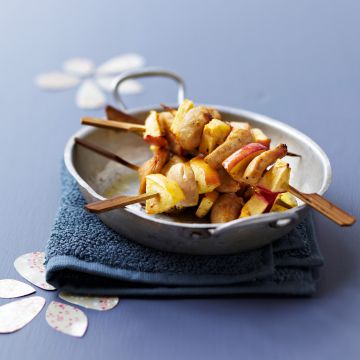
(295, 61)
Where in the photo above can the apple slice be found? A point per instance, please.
(258, 165)
(206, 204)
(169, 191)
(153, 132)
(207, 178)
(235, 140)
(260, 137)
(283, 202)
(236, 163)
(226, 208)
(214, 134)
(277, 178)
(183, 174)
(268, 195)
(255, 206)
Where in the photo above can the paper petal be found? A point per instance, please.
(15, 315)
(91, 302)
(121, 63)
(56, 81)
(89, 96)
(127, 87)
(31, 267)
(66, 319)
(79, 66)
(10, 288)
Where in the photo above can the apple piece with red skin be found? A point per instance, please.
(256, 205)
(270, 196)
(207, 178)
(237, 162)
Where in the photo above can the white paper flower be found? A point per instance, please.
(92, 80)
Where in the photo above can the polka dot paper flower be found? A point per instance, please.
(62, 317)
(92, 80)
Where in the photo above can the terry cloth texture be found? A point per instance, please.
(84, 256)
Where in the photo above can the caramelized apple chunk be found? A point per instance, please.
(214, 134)
(277, 178)
(206, 204)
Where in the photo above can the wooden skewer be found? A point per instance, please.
(167, 108)
(118, 115)
(293, 154)
(108, 154)
(324, 207)
(111, 124)
(117, 202)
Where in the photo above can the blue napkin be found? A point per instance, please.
(84, 256)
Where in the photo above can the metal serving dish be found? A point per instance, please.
(96, 175)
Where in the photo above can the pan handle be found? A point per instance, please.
(148, 72)
(275, 221)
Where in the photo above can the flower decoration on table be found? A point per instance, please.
(93, 81)
(63, 318)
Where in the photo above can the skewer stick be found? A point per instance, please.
(324, 207)
(111, 124)
(117, 202)
(118, 115)
(293, 154)
(108, 154)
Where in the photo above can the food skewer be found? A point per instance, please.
(316, 201)
(112, 124)
(118, 115)
(106, 153)
(117, 202)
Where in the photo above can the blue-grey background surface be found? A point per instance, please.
(298, 61)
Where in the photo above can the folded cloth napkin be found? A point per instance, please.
(84, 256)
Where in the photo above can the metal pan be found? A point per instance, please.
(98, 177)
